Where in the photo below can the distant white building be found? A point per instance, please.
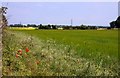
(60, 28)
(101, 28)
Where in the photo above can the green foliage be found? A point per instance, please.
(112, 24)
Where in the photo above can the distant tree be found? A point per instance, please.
(49, 26)
(108, 27)
(112, 24)
(18, 25)
(33, 25)
(77, 27)
(28, 25)
(93, 27)
(66, 27)
(54, 27)
(74, 27)
(11, 25)
(89, 27)
(40, 26)
(117, 22)
(83, 27)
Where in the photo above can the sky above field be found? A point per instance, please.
(87, 13)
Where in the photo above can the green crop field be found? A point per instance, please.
(97, 50)
(86, 41)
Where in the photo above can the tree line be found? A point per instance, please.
(113, 24)
(64, 27)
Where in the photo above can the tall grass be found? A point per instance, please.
(49, 57)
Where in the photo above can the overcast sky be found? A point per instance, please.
(88, 13)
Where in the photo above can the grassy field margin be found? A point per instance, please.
(46, 58)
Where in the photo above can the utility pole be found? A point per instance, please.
(21, 24)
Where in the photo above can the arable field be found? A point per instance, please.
(84, 41)
(61, 52)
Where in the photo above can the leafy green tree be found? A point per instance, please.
(83, 27)
(112, 24)
(40, 26)
(49, 26)
(117, 22)
(54, 27)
